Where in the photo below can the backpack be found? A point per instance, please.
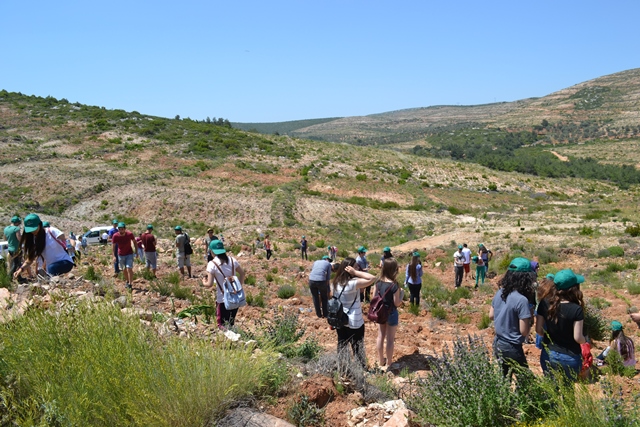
(336, 316)
(188, 250)
(378, 309)
(231, 288)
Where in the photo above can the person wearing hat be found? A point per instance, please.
(458, 266)
(620, 343)
(116, 263)
(181, 256)
(13, 234)
(511, 314)
(480, 270)
(363, 265)
(303, 248)
(466, 252)
(221, 266)
(486, 256)
(413, 278)
(149, 246)
(40, 244)
(210, 237)
(125, 241)
(560, 320)
(386, 254)
(332, 252)
(319, 280)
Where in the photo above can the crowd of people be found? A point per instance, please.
(554, 304)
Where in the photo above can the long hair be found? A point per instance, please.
(517, 281)
(554, 296)
(543, 288)
(387, 255)
(224, 258)
(413, 270)
(342, 277)
(33, 243)
(389, 269)
(624, 345)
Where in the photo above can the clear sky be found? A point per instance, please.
(279, 60)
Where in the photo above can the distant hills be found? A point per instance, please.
(608, 106)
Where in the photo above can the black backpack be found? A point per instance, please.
(336, 316)
(188, 250)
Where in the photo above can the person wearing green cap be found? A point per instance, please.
(413, 278)
(622, 344)
(560, 319)
(458, 266)
(39, 244)
(210, 237)
(386, 254)
(125, 241)
(319, 280)
(486, 255)
(219, 268)
(13, 234)
(363, 265)
(303, 248)
(511, 313)
(181, 255)
(149, 245)
(480, 270)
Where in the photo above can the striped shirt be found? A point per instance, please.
(349, 295)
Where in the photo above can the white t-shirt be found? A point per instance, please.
(458, 259)
(53, 249)
(219, 277)
(349, 295)
(466, 253)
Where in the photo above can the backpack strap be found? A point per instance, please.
(385, 292)
(233, 272)
(57, 241)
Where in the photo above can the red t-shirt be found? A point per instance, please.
(124, 242)
(149, 242)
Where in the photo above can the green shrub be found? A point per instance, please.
(458, 294)
(433, 293)
(162, 287)
(634, 288)
(250, 280)
(613, 251)
(320, 243)
(5, 279)
(595, 324)
(586, 231)
(414, 309)
(182, 292)
(286, 291)
(361, 177)
(633, 230)
(173, 278)
(439, 312)
(309, 349)
(91, 274)
(614, 365)
(305, 413)
(485, 321)
(103, 367)
(256, 301)
(463, 319)
(269, 277)
(599, 303)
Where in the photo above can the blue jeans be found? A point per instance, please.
(60, 267)
(569, 365)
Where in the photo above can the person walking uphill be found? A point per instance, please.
(149, 245)
(346, 286)
(466, 252)
(512, 314)
(13, 234)
(221, 266)
(319, 280)
(40, 244)
(183, 258)
(116, 264)
(125, 241)
(458, 266)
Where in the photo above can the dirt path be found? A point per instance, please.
(559, 156)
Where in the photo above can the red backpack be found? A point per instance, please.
(378, 309)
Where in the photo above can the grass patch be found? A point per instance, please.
(286, 291)
(439, 312)
(634, 288)
(485, 321)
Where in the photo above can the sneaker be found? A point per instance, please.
(128, 286)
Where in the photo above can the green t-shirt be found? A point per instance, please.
(10, 233)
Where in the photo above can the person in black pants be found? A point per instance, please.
(413, 279)
(458, 265)
(319, 280)
(303, 248)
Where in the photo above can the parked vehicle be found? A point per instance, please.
(94, 236)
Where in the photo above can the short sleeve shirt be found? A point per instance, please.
(180, 239)
(149, 242)
(350, 301)
(218, 279)
(388, 299)
(507, 316)
(124, 242)
(320, 271)
(361, 260)
(418, 275)
(560, 332)
(10, 233)
(458, 259)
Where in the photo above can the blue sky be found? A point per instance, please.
(258, 61)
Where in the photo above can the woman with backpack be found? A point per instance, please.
(220, 267)
(413, 279)
(387, 288)
(346, 287)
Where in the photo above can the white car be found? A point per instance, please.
(94, 236)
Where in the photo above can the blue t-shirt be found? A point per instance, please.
(361, 260)
(507, 315)
(418, 280)
(320, 271)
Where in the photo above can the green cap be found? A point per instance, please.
(386, 249)
(616, 326)
(122, 225)
(362, 249)
(178, 228)
(566, 279)
(114, 222)
(31, 223)
(45, 224)
(459, 246)
(15, 219)
(520, 264)
(325, 257)
(550, 276)
(475, 258)
(149, 227)
(416, 253)
(481, 245)
(328, 247)
(303, 237)
(217, 247)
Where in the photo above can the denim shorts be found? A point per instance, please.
(126, 261)
(394, 318)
